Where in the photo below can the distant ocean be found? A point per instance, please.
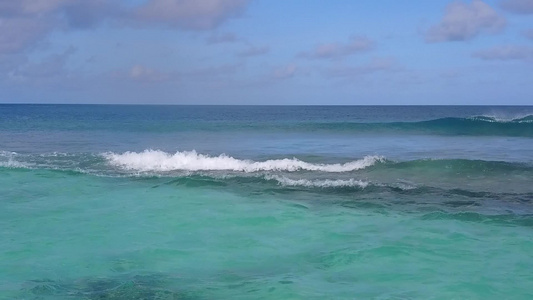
(266, 202)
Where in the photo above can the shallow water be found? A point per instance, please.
(272, 212)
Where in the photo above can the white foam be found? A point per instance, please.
(155, 160)
(10, 162)
(500, 118)
(7, 153)
(321, 183)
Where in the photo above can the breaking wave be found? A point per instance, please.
(498, 119)
(159, 161)
(7, 160)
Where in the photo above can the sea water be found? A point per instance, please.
(266, 202)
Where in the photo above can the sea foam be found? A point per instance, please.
(7, 160)
(155, 160)
(13, 164)
(320, 183)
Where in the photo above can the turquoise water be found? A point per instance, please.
(132, 202)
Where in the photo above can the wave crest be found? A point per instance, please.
(156, 160)
(499, 119)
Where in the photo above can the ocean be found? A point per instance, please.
(266, 202)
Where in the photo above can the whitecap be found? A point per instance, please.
(159, 161)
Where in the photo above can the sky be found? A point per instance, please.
(342, 52)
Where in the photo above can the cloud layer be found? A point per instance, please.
(233, 51)
(518, 6)
(463, 21)
(25, 22)
(356, 44)
(508, 52)
(254, 51)
(190, 14)
(373, 66)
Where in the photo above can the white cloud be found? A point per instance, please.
(518, 6)
(284, 72)
(145, 74)
(17, 34)
(12, 8)
(507, 52)
(208, 73)
(221, 38)
(86, 14)
(190, 14)
(374, 66)
(49, 68)
(26, 22)
(254, 51)
(356, 44)
(463, 21)
(450, 74)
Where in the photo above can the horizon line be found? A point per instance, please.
(178, 104)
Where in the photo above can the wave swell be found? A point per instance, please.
(159, 161)
(472, 126)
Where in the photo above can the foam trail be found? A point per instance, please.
(321, 183)
(155, 160)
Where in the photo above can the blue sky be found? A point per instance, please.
(266, 52)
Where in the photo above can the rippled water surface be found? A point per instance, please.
(208, 202)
